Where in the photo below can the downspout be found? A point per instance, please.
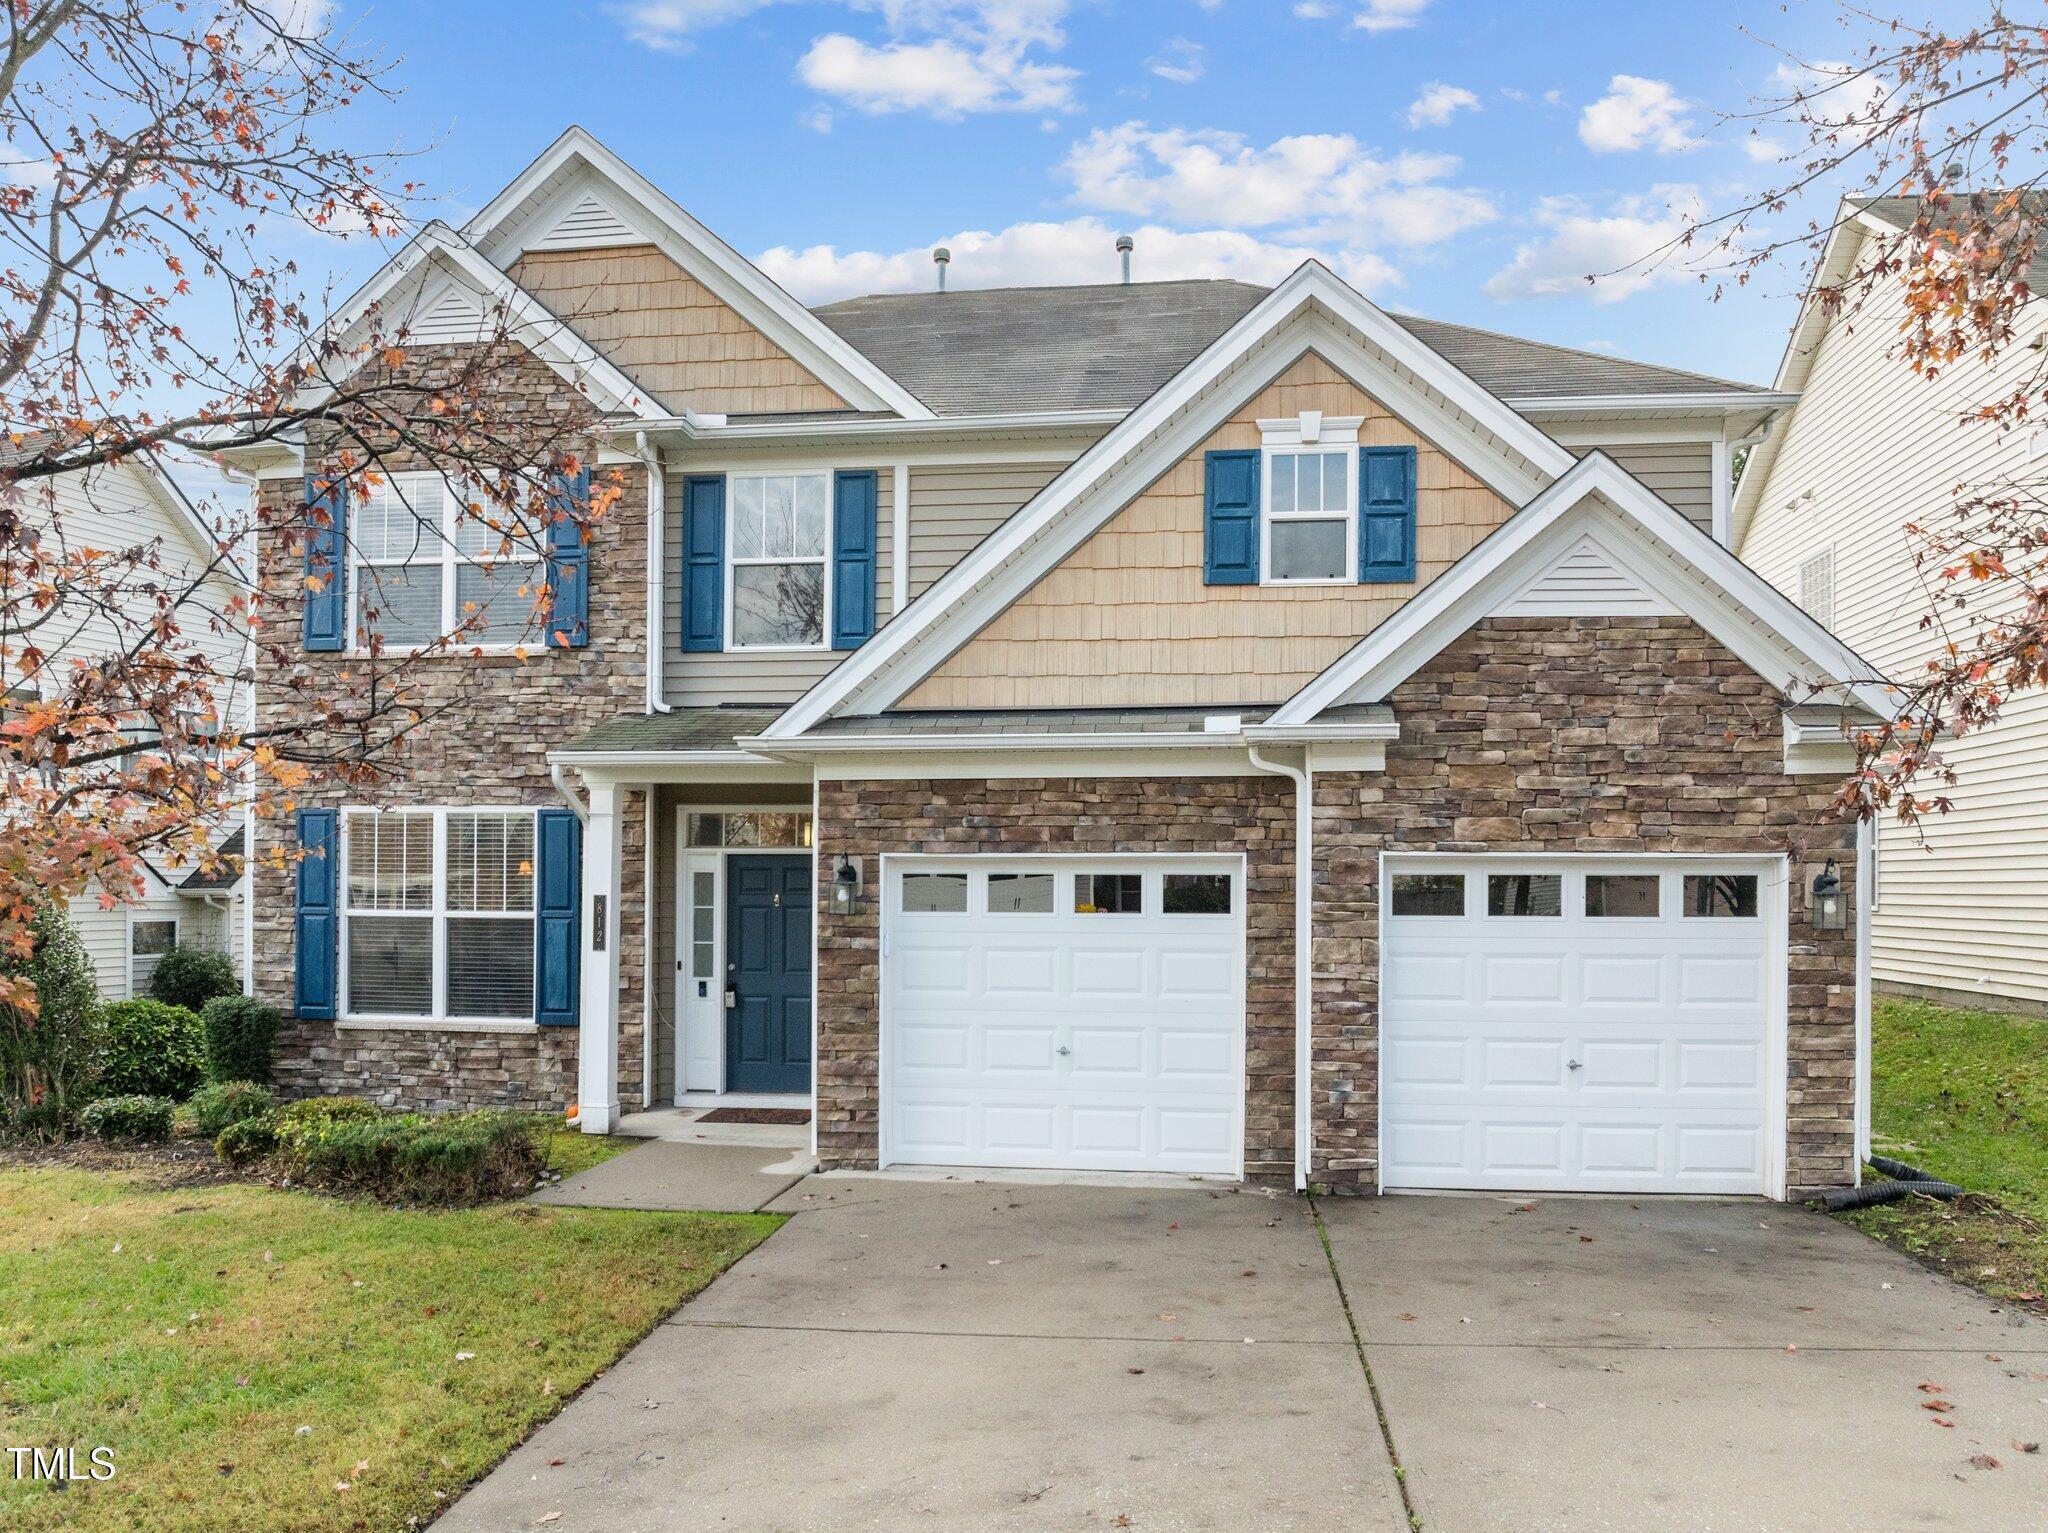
(657, 548)
(558, 775)
(1866, 881)
(1304, 894)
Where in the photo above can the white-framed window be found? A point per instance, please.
(1308, 532)
(438, 914)
(778, 573)
(424, 567)
(149, 938)
(1817, 586)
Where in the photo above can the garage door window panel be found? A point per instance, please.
(1720, 896)
(1020, 894)
(935, 893)
(1429, 894)
(1196, 894)
(1109, 894)
(1525, 894)
(1623, 896)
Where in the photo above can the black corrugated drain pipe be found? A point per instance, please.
(1909, 1181)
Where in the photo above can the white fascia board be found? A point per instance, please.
(735, 279)
(1216, 761)
(696, 432)
(1741, 609)
(1722, 400)
(1503, 448)
(1380, 730)
(1121, 740)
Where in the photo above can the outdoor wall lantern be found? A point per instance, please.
(1830, 905)
(846, 885)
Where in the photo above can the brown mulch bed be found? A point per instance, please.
(757, 1115)
(180, 1163)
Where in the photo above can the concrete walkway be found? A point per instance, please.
(993, 1355)
(707, 1178)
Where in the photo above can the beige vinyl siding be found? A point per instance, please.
(1682, 474)
(668, 332)
(1126, 620)
(1870, 447)
(954, 508)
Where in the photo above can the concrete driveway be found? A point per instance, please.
(989, 1355)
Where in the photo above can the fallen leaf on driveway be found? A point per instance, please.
(549, 1517)
(1404, 1317)
(1983, 1461)
(1936, 1405)
(1943, 1421)
(1134, 1370)
(1931, 1389)
(1585, 1240)
(2028, 1447)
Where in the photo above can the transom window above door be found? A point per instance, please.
(1311, 524)
(778, 574)
(751, 827)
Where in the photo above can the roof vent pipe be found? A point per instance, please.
(940, 257)
(1124, 246)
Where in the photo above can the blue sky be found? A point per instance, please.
(1463, 160)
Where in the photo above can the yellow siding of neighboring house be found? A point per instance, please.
(668, 332)
(1964, 910)
(1126, 621)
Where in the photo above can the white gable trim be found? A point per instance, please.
(1311, 311)
(440, 260)
(507, 228)
(1587, 580)
(1663, 550)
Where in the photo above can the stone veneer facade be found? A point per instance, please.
(489, 722)
(1525, 735)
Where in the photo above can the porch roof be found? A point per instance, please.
(1056, 721)
(681, 729)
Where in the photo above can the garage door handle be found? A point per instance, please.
(1572, 1064)
(1063, 1049)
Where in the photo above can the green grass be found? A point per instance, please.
(197, 1331)
(570, 1150)
(1964, 1095)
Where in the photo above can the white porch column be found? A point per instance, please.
(597, 1044)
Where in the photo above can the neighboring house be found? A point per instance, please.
(118, 507)
(1961, 907)
(1156, 727)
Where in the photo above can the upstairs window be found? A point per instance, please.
(778, 579)
(1311, 522)
(425, 567)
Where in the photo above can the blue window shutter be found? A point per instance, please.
(326, 623)
(853, 558)
(569, 563)
(316, 924)
(1386, 513)
(558, 955)
(1230, 519)
(704, 562)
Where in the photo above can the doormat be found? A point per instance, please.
(757, 1115)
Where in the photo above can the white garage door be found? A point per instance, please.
(1083, 1014)
(1580, 1024)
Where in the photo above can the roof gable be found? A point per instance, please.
(578, 187)
(1311, 310)
(1666, 556)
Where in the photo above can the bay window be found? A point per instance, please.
(439, 914)
(425, 566)
(778, 575)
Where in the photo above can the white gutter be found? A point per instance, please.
(614, 760)
(805, 746)
(1304, 892)
(717, 428)
(657, 535)
(555, 776)
(1654, 404)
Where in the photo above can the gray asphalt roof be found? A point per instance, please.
(1904, 212)
(1069, 721)
(683, 729)
(980, 351)
(222, 878)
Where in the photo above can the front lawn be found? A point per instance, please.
(273, 1360)
(1964, 1095)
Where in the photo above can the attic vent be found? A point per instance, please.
(589, 222)
(454, 314)
(1585, 581)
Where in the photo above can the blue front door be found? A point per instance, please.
(768, 974)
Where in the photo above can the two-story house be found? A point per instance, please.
(1826, 511)
(1170, 726)
(124, 508)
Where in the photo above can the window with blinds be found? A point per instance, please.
(439, 914)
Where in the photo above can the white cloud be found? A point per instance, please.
(1389, 15)
(669, 24)
(1314, 10)
(1179, 61)
(1583, 244)
(1634, 114)
(1319, 186)
(1438, 103)
(1762, 151)
(1077, 250)
(941, 77)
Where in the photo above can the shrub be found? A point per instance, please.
(250, 1139)
(153, 1050)
(215, 1107)
(301, 1124)
(418, 1157)
(239, 1033)
(129, 1117)
(192, 976)
(50, 1056)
